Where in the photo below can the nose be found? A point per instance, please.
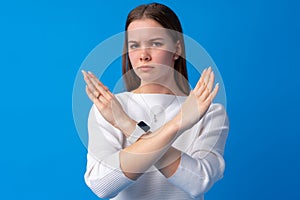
(145, 56)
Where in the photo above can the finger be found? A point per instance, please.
(211, 81)
(92, 91)
(204, 94)
(90, 94)
(200, 90)
(198, 85)
(94, 85)
(97, 80)
(203, 74)
(97, 101)
(99, 86)
(215, 91)
(207, 75)
(105, 95)
(90, 84)
(92, 97)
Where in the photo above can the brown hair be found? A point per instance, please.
(167, 19)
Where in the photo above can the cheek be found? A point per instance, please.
(165, 57)
(133, 57)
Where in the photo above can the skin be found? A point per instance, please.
(152, 59)
(152, 53)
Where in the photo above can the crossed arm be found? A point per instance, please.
(155, 149)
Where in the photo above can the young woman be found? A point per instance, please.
(159, 139)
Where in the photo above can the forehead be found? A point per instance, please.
(144, 29)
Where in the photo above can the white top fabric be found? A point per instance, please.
(202, 147)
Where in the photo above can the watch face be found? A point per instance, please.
(144, 126)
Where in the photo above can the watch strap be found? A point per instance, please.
(140, 129)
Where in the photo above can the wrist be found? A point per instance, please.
(127, 126)
(177, 122)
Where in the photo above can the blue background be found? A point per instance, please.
(255, 45)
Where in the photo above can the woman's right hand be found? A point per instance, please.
(198, 101)
(107, 104)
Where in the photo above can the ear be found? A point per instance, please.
(178, 50)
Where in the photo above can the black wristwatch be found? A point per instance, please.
(140, 129)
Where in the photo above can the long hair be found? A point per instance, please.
(167, 19)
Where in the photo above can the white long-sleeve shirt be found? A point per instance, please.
(202, 147)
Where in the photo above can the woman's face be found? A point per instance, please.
(151, 50)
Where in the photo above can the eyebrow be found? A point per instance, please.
(151, 40)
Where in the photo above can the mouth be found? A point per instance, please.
(145, 68)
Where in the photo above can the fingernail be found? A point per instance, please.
(83, 72)
(89, 72)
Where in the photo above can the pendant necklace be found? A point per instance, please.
(157, 110)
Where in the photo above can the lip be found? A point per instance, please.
(145, 68)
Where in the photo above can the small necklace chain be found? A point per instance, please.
(155, 115)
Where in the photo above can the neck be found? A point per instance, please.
(158, 88)
(153, 88)
(161, 85)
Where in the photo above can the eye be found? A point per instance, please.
(133, 46)
(157, 44)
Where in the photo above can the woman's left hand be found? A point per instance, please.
(198, 101)
(106, 103)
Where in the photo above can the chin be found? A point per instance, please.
(154, 79)
(146, 78)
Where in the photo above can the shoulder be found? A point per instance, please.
(217, 107)
(123, 96)
(94, 115)
(217, 114)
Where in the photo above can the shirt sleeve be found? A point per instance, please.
(204, 164)
(103, 173)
